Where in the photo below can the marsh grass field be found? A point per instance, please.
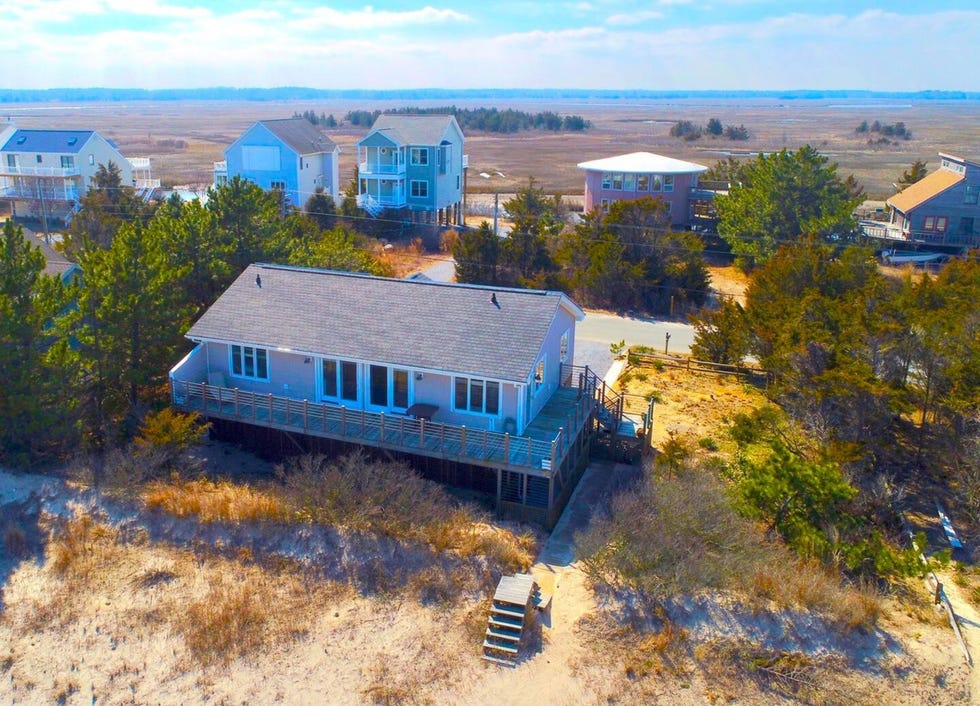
(184, 138)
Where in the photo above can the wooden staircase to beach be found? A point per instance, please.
(508, 617)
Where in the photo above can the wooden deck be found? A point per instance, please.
(541, 449)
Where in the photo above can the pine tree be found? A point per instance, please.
(30, 403)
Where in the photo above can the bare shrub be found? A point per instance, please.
(393, 500)
(215, 501)
(669, 536)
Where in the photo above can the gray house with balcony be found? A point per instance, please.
(942, 208)
(44, 173)
(476, 380)
(413, 163)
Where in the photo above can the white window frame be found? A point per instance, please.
(239, 354)
(606, 180)
(604, 205)
(339, 398)
(419, 156)
(563, 347)
(91, 160)
(12, 161)
(668, 183)
(67, 162)
(423, 185)
(277, 185)
(929, 223)
(471, 384)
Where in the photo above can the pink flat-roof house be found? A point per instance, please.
(633, 176)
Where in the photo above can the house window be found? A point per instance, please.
(67, 162)
(941, 222)
(38, 158)
(420, 156)
(445, 157)
(971, 193)
(479, 396)
(339, 379)
(642, 182)
(655, 183)
(606, 180)
(617, 182)
(629, 182)
(539, 376)
(399, 389)
(91, 160)
(12, 161)
(929, 223)
(420, 189)
(563, 348)
(966, 225)
(668, 182)
(604, 205)
(457, 182)
(249, 362)
(278, 186)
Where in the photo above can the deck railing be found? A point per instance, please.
(390, 431)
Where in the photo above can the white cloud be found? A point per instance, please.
(634, 18)
(277, 44)
(369, 18)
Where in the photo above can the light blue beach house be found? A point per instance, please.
(414, 163)
(288, 155)
(474, 385)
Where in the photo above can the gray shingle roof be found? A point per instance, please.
(412, 323)
(47, 141)
(414, 129)
(300, 135)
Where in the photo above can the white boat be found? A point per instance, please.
(899, 257)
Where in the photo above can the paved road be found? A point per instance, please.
(636, 331)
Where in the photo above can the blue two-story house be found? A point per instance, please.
(289, 155)
(415, 163)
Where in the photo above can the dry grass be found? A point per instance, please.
(242, 612)
(215, 501)
(391, 499)
(83, 548)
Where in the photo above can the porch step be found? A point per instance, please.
(505, 621)
(504, 633)
(501, 645)
(508, 610)
(499, 660)
(508, 613)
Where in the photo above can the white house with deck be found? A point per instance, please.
(472, 377)
(44, 173)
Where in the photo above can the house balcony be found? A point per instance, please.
(545, 450)
(375, 168)
(883, 231)
(30, 189)
(220, 173)
(34, 171)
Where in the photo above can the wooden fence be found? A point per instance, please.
(699, 366)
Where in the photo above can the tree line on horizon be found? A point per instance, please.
(482, 119)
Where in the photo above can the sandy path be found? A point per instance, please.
(968, 619)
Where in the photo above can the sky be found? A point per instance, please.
(901, 45)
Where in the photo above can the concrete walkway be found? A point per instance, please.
(556, 570)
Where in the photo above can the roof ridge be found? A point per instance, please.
(365, 275)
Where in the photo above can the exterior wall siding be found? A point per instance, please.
(952, 205)
(551, 350)
(679, 198)
(291, 376)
